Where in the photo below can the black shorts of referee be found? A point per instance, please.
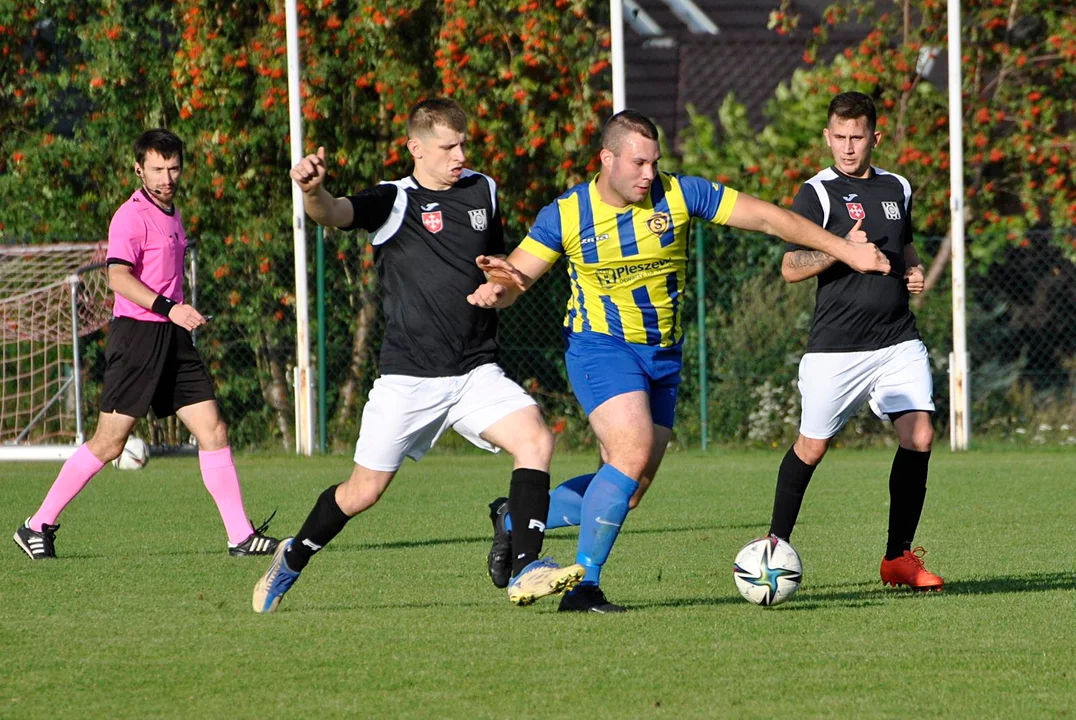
(152, 364)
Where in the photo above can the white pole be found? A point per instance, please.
(616, 37)
(959, 388)
(73, 283)
(303, 399)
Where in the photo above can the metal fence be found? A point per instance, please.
(1021, 316)
(738, 382)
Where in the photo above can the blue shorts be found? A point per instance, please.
(601, 367)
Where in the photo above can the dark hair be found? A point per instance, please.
(436, 111)
(852, 105)
(163, 142)
(624, 122)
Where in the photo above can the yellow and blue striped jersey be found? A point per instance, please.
(627, 265)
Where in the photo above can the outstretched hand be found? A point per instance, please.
(310, 172)
(488, 295)
(500, 271)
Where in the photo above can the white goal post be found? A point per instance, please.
(51, 296)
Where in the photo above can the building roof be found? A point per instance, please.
(681, 52)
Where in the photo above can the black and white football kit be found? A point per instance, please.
(438, 356)
(863, 344)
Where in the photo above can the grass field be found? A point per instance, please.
(144, 614)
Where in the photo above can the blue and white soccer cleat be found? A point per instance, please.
(541, 578)
(276, 581)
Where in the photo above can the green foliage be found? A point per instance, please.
(1019, 81)
(80, 80)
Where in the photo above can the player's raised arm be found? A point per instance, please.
(750, 213)
(507, 279)
(324, 209)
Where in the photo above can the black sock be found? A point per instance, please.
(792, 480)
(324, 522)
(907, 491)
(528, 503)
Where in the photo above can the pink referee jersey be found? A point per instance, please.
(152, 242)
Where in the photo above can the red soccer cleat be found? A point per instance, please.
(908, 570)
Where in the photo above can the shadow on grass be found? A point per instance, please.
(558, 533)
(828, 596)
(867, 594)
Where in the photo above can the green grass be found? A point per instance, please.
(145, 615)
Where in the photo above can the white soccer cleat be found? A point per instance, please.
(541, 578)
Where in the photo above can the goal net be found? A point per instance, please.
(50, 297)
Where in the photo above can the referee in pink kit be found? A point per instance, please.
(150, 359)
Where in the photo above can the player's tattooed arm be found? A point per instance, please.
(800, 265)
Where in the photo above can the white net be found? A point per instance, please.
(40, 387)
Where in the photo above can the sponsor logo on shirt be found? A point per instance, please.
(855, 211)
(610, 277)
(847, 198)
(478, 219)
(430, 206)
(659, 222)
(432, 221)
(598, 239)
(892, 210)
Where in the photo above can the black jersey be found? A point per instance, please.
(856, 311)
(425, 245)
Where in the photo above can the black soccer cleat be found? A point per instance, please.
(499, 562)
(257, 543)
(38, 545)
(589, 599)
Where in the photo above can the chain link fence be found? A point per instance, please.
(1021, 328)
(1021, 319)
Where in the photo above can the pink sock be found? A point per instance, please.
(73, 476)
(218, 474)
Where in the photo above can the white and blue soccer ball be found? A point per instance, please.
(135, 455)
(767, 571)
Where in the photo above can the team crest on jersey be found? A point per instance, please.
(855, 211)
(892, 210)
(432, 221)
(659, 222)
(478, 219)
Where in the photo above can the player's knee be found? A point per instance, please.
(533, 446)
(220, 434)
(922, 438)
(810, 450)
(361, 491)
(630, 461)
(354, 497)
(106, 449)
(542, 443)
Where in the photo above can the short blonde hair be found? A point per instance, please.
(436, 111)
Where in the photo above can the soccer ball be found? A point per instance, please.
(135, 455)
(767, 571)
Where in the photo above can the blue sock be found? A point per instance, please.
(605, 505)
(565, 501)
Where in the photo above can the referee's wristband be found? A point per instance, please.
(162, 305)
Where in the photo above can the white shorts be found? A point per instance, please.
(833, 386)
(406, 415)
